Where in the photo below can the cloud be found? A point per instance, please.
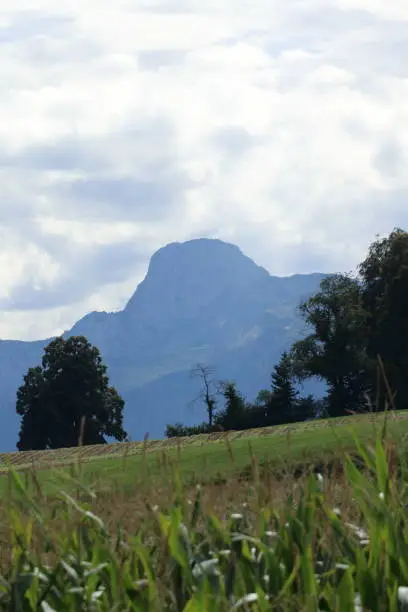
(280, 126)
(104, 265)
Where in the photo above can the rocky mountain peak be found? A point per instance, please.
(184, 277)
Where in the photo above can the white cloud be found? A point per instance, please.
(280, 126)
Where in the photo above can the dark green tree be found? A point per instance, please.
(282, 402)
(335, 350)
(307, 408)
(68, 400)
(384, 278)
(234, 412)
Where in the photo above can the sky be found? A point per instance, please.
(280, 126)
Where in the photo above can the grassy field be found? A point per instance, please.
(220, 523)
(207, 458)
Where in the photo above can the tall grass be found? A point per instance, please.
(331, 542)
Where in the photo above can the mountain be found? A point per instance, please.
(202, 301)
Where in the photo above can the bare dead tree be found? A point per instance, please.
(209, 389)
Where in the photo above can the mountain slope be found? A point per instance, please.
(202, 301)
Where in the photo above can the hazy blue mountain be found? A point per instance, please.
(202, 301)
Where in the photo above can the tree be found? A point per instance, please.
(233, 415)
(384, 278)
(208, 392)
(282, 403)
(335, 350)
(67, 398)
(307, 408)
(260, 409)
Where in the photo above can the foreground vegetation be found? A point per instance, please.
(332, 539)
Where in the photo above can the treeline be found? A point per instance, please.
(357, 344)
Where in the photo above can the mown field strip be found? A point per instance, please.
(66, 456)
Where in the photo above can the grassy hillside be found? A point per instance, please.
(209, 458)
